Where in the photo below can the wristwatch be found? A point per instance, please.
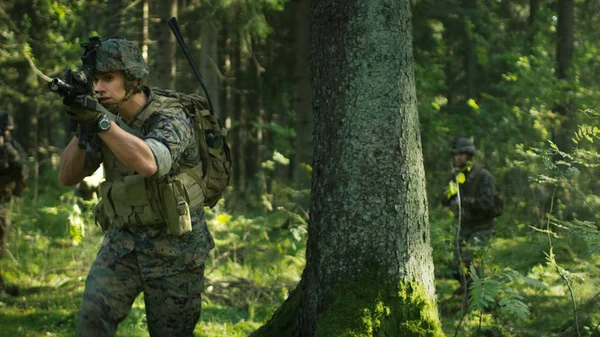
(103, 123)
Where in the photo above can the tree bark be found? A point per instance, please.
(369, 268)
(164, 67)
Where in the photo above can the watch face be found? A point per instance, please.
(104, 124)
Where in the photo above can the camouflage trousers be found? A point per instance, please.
(472, 245)
(5, 210)
(172, 302)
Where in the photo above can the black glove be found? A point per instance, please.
(82, 109)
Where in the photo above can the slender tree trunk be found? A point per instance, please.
(565, 39)
(238, 135)
(449, 68)
(227, 104)
(470, 59)
(252, 121)
(164, 67)
(534, 6)
(564, 71)
(208, 61)
(369, 268)
(303, 98)
(114, 18)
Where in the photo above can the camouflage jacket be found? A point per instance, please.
(170, 135)
(13, 170)
(477, 191)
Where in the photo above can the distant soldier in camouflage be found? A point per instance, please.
(470, 192)
(156, 239)
(13, 179)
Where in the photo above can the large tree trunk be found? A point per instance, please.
(369, 268)
(303, 98)
(164, 67)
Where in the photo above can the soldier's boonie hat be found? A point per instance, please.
(463, 145)
(117, 54)
(6, 121)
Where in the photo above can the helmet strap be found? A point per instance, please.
(130, 89)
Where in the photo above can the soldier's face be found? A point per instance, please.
(461, 159)
(109, 87)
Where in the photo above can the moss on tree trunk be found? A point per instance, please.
(360, 307)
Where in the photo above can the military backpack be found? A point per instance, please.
(211, 137)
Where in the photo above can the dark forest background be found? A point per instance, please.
(521, 77)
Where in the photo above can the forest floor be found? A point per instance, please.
(259, 259)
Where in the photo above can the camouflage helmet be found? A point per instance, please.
(463, 145)
(117, 54)
(6, 121)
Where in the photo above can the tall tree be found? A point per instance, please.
(114, 17)
(208, 60)
(534, 6)
(163, 69)
(369, 269)
(565, 46)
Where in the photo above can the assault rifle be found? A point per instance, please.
(77, 86)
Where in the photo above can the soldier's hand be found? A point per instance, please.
(81, 109)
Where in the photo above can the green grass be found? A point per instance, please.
(255, 264)
(258, 261)
(522, 249)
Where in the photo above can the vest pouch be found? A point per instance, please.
(120, 202)
(135, 190)
(176, 208)
(139, 192)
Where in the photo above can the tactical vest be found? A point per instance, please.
(131, 200)
(470, 189)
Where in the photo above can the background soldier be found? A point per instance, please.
(13, 177)
(156, 239)
(471, 193)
